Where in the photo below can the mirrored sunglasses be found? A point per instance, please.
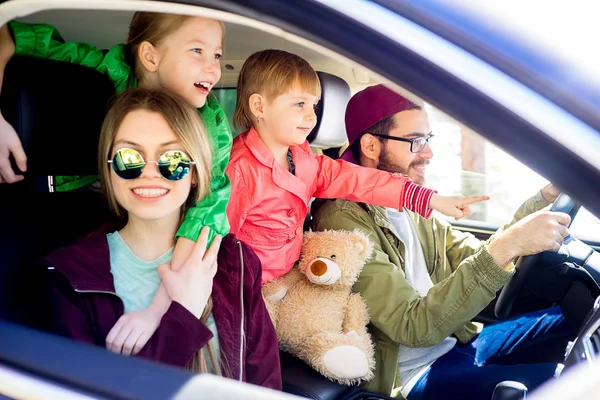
(173, 165)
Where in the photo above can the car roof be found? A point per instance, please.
(547, 46)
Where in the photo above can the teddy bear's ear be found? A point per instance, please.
(363, 244)
(360, 247)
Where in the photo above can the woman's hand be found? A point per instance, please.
(133, 330)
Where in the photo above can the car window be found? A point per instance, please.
(466, 163)
(227, 98)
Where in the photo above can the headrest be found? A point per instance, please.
(330, 131)
(57, 108)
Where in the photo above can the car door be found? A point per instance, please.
(422, 47)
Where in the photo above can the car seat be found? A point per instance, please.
(57, 109)
(330, 132)
(329, 135)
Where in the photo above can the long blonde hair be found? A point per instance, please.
(153, 28)
(185, 122)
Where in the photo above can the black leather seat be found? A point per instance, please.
(302, 380)
(57, 109)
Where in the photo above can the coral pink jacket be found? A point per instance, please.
(268, 204)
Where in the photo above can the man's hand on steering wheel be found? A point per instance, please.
(538, 232)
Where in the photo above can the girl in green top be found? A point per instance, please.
(177, 52)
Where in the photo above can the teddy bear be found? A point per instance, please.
(316, 315)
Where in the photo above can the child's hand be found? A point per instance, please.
(10, 144)
(133, 330)
(191, 286)
(455, 206)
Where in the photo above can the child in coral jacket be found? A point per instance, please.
(274, 174)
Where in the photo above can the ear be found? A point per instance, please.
(148, 56)
(362, 242)
(257, 103)
(370, 147)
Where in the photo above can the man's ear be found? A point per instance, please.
(256, 103)
(370, 147)
(148, 56)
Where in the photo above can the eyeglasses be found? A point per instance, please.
(173, 165)
(416, 145)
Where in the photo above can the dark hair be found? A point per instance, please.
(382, 127)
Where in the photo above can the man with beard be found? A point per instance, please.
(426, 280)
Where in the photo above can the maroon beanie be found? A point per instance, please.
(368, 107)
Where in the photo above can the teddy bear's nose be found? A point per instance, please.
(318, 268)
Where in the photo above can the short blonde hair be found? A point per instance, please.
(271, 73)
(183, 119)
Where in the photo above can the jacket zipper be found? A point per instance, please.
(96, 291)
(242, 334)
(99, 291)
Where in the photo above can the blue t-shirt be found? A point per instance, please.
(136, 280)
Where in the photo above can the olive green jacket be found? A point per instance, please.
(464, 274)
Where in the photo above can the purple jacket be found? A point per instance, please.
(85, 307)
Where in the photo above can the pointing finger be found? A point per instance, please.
(473, 199)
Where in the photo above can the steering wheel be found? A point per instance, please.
(526, 264)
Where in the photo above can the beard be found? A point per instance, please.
(386, 163)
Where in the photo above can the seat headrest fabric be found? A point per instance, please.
(330, 131)
(57, 109)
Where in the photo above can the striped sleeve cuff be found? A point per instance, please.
(417, 198)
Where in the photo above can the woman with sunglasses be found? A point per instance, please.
(154, 162)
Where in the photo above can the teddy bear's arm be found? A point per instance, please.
(357, 316)
(276, 289)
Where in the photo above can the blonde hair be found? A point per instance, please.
(271, 73)
(154, 28)
(185, 122)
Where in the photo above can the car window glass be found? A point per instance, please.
(466, 163)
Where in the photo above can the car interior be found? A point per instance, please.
(68, 102)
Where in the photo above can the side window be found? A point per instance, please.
(227, 98)
(466, 163)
